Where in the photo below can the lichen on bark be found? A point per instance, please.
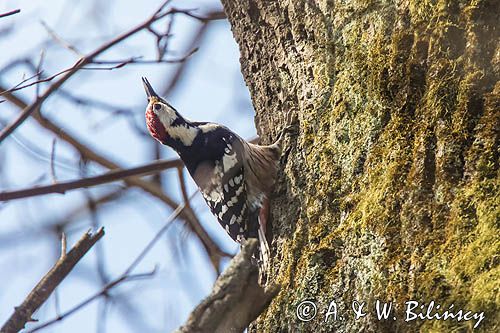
(390, 191)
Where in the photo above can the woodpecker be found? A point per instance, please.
(234, 176)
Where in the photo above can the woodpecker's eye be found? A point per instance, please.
(157, 107)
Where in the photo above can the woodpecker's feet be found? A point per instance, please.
(292, 121)
(290, 129)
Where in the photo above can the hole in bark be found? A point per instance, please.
(253, 11)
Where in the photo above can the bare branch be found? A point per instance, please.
(116, 64)
(37, 152)
(197, 38)
(94, 103)
(39, 72)
(68, 218)
(157, 149)
(81, 63)
(174, 79)
(84, 101)
(182, 182)
(89, 300)
(213, 250)
(52, 160)
(59, 40)
(126, 275)
(137, 60)
(63, 245)
(22, 85)
(158, 235)
(212, 16)
(236, 298)
(62, 224)
(22, 314)
(12, 12)
(108, 177)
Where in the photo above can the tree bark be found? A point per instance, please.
(236, 299)
(390, 191)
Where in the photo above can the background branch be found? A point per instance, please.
(111, 176)
(98, 121)
(102, 292)
(83, 61)
(126, 275)
(213, 250)
(22, 314)
(12, 12)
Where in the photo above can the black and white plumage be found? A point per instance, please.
(234, 176)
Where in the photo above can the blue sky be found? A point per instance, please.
(211, 89)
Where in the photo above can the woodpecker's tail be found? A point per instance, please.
(264, 253)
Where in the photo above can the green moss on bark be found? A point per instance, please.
(391, 189)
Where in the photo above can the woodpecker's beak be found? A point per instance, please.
(149, 90)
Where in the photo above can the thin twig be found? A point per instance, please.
(82, 62)
(136, 60)
(162, 40)
(89, 300)
(108, 177)
(12, 12)
(22, 314)
(100, 256)
(87, 101)
(52, 160)
(65, 223)
(59, 40)
(63, 245)
(37, 152)
(157, 149)
(196, 40)
(212, 249)
(173, 216)
(57, 303)
(39, 72)
(213, 16)
(125, 276)
(21, 85)
(74, 214)
(116, 65)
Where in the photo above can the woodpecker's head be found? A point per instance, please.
(164, 123)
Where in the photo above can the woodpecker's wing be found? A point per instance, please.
(222, 184)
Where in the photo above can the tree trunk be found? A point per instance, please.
(390, 190)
